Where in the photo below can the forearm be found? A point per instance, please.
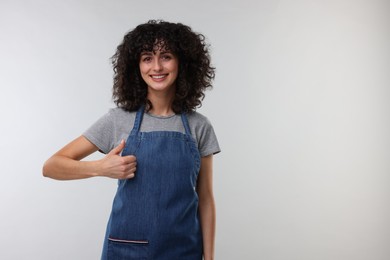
(208, 221)
(62, 168)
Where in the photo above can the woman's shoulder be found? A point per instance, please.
(198, 118)
(203, 131)
(118, 113)
(199, 123)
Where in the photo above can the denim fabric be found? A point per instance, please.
(155, 214)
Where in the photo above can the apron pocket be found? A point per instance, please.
(127, 249)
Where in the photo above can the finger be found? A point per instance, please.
(117, 150)
(129, 158)
(127, 176)
(129, 168)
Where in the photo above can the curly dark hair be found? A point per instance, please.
(195, 72)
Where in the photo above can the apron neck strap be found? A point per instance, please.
(138, 120)
(185, 123)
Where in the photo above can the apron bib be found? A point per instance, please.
(155, 214)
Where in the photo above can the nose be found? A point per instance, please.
(157, 65)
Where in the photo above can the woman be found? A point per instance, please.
(156, 145)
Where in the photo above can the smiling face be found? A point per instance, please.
(159, 70)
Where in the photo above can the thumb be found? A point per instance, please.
(117, 150)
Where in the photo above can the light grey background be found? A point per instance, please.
(300, 106)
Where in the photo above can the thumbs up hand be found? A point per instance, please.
(115, 166)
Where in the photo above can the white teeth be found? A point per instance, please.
(159, 76)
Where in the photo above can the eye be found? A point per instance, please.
(146, 59)
(167, 57)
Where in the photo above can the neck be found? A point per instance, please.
(162, 102)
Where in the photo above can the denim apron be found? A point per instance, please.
(155, 214)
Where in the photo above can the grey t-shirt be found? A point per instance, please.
(107, 132)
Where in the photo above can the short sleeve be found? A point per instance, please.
(101, 133)
(208, 142)
(204, 134)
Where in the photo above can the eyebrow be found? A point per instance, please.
(151, 52)
(166, 52)
(146, 53)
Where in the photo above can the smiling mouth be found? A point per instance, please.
(158, 76)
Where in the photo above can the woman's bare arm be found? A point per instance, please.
(66, 164)
(207, 206)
